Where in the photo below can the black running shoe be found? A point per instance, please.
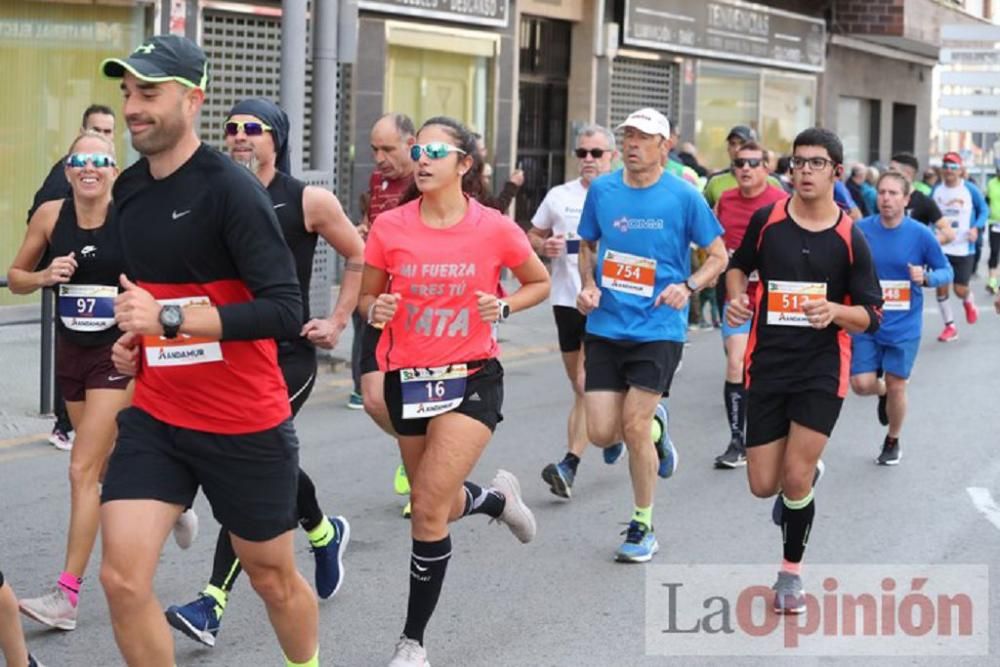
(734, 456)
(890, 454)
(883, 412)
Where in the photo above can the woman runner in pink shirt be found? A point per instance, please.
(431, 271)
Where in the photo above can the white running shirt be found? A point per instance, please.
(560, 212)
(956, 205)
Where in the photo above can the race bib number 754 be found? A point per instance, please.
(631, 274)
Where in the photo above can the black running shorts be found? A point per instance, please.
(251, 480)
(770, 415)
(613, 365)
(369, 343)
(963, 268)
(483, 398)
(572, 326)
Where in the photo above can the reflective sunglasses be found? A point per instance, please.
(752, 162)
(951, 166)
(434, 150)
(815, 163)
(99, 160)
(596, 153)
(251, 128)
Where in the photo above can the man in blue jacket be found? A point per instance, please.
(907, 257)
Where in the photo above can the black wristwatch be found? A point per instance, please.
(171, 318)
(504, 310)
(691, 284)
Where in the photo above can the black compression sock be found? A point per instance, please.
(795, 526)
(571, 461)
(428, 564)
(483, 501)
(225, 566)
(736, 407)
(310, 514)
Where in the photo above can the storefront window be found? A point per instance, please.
(49, 56)
(778, 105)
(726, 96)
(424, 83)
(789, 106)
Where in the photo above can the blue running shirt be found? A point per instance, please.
(893, 250)
(636, 228)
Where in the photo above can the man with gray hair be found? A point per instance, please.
(553, 235)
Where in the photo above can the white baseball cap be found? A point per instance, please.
(648, 120)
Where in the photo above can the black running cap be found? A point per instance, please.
(163, 58)
(743, 133)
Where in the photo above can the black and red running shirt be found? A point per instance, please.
(208, 233)
(785, 359)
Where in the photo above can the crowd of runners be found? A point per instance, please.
(185, 343)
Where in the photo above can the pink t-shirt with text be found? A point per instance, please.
(438, 272)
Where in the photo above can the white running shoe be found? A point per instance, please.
(186, 529)
(516, 514)
(61, 440)
(409, 653)
(52, 609)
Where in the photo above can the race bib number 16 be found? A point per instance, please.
(628, 273)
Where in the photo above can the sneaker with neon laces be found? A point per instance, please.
(971, 312)
(948, 334)
(61, 440)
(409, 653)
(778, 509)
(665, 449)
(993, 285)
(640, 544)
(560, 478)
(330, 559)
(52, 609)
(614, 453)
(356, 401)
(186, 528)
(516, 515)
(199, 620)
(408, 510)
(401, 483)
(789, 598)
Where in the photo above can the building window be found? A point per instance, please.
(726, 96)
(788, 107)
(858, 127)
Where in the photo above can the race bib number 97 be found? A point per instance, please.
(87, 307)
(785, 299)
(630, 274)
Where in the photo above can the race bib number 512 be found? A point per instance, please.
(785, 299)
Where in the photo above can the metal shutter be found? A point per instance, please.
(643, 83)
(244, 54)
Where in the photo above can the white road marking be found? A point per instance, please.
(983, 500)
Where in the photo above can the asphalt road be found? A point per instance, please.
(561, 601)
